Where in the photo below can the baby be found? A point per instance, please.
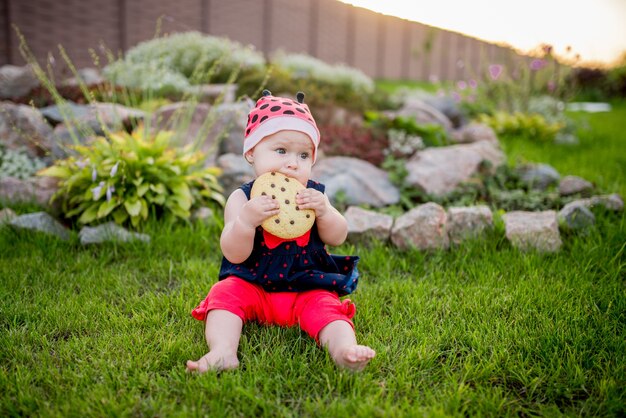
(270, 280)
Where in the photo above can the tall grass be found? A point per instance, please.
(479, 330)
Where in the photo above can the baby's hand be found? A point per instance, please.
(313, 199)
(258, 209)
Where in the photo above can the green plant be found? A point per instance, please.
(416, 136)
(130, 177)
(531, 126)
(18, 164)
(172, 64)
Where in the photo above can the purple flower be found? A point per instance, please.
(495, 70)
(110, 191)
(473, 84)
(96, 190)
(94, 173)
(114, 169)
(456, 97)
(537, 64)
(462, 85)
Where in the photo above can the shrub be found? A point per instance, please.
(358, 142)
(171, 64)
(406, 136)
(129, 177)
(18, 164)
(531, 126)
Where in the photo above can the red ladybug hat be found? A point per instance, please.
(272, 114)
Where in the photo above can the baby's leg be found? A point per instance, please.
(223, 330)
(338, 337)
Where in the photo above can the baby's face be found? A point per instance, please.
(287, 152)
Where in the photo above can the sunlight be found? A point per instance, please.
(594, 29)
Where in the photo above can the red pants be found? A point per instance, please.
(312, 310)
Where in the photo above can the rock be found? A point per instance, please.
(609, 202)
(23, 126)
(88, 76)
(423, 113)
(438, 171)
(539, 176)
(95, 117)
(37, 190)
(576, 217)
(6, 216)
(360, 182)
(235, 172)
(423, 227)
(468, 222)
(109, 232)
(448, 106)
(365, 225)
(533, 230)
(212, 92)
(474, 132)
(42, 222)
(217, 129)
(570, 185)
(16, 81)
(203, 214)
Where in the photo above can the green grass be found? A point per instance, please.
(480, 330)
(599, 157)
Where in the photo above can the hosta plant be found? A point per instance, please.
(131, 177)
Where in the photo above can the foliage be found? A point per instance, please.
(302, 66)
(416, 136)
(531, 126)
(18, 164)
(598, 84)
(131, 177)
(172, 64)
(358, 142)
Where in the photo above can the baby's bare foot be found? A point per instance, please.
(214, 361)
(355, 357)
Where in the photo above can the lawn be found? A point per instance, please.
(479, 330)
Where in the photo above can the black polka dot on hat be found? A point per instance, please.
(274, 108)
(264, 106)
(263, 118)
(300, 110)
(254, 118)
(288, 112)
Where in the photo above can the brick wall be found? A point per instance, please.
(380, 46)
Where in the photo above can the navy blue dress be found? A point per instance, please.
(290, 267)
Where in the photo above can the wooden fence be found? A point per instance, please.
(381, 46)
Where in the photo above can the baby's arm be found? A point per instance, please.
(331, 225)
(241, 217)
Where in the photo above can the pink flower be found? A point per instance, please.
(495, 70)
(537, 64)
(462, 85)
(456, 97)
(473, 84)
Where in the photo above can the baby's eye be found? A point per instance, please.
(281, 150)
(304, 155)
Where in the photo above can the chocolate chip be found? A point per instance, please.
(287, 201)
(273, 185)
(277, 221)
(292, 222)
(282, 189)
(308, 216)
(297, 207)
(273, 196)
(263, 194)
(286, 179)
